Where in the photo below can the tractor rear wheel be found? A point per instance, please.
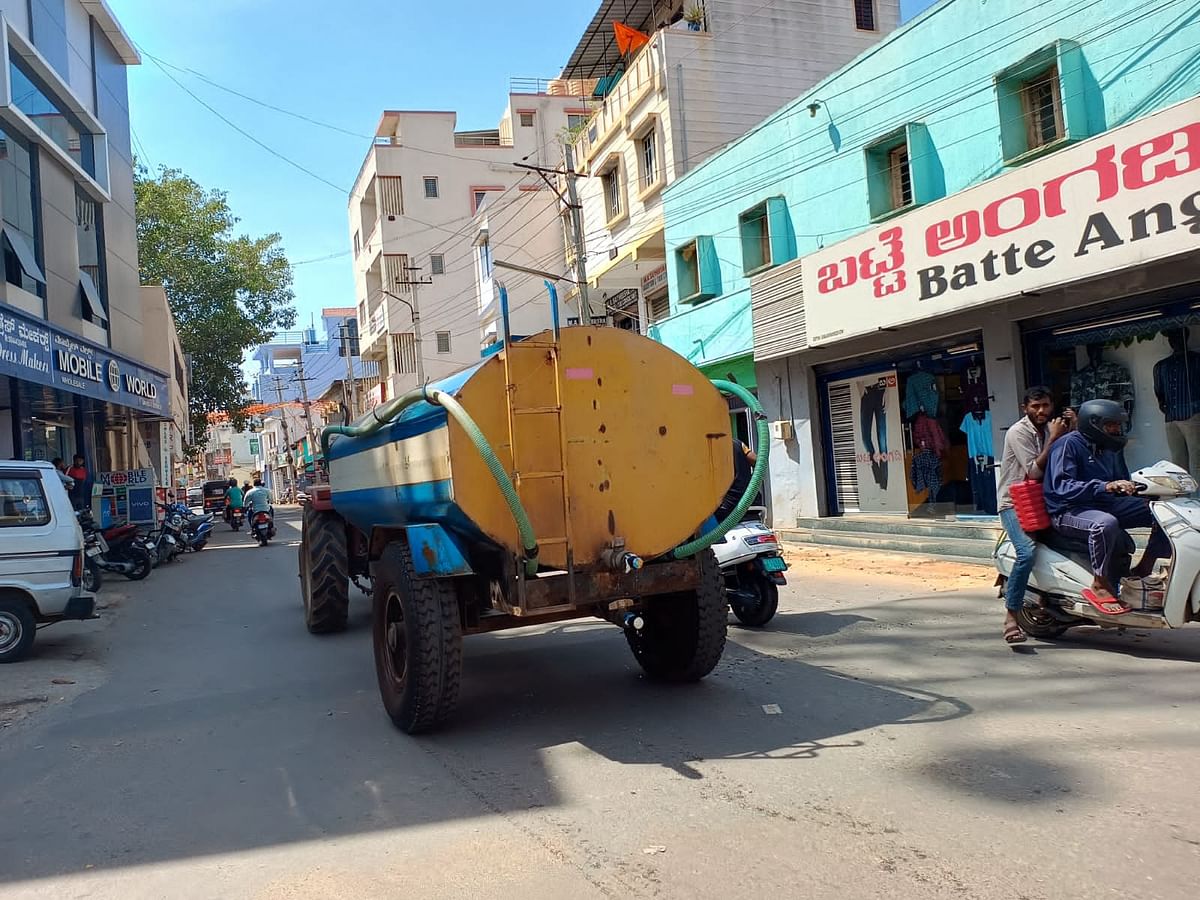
(684, 633)
(324, 571)
(417, 637)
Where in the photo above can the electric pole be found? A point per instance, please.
(307, 406)
(287, 435)
(415, 309)
(585, 308)
(571, 201)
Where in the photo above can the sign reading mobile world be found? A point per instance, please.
(1127, 197)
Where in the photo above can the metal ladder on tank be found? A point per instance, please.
(518, 413)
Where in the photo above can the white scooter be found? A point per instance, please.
(753, 567)
(1062, 569)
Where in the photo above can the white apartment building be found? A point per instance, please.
(711, 70)
(413, 226)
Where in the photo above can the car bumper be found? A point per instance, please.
(83, 607)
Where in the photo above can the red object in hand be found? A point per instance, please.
(1030, 504)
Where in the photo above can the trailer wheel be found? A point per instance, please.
(684, 633)
(418, 642)
(324, 572)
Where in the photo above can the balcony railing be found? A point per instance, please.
(555, 87)
(480, 139)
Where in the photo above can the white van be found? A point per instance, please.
(41, 556)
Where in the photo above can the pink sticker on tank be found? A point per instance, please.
(580, 374)
(682, 390)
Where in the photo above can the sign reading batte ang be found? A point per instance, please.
(1124, 198)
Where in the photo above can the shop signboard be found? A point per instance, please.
(869, 441)
(127, 496)
(654, 281)
(1119, 200)
(33, 351)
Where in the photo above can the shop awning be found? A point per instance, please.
(648, 247)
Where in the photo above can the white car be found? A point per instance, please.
(41, 556)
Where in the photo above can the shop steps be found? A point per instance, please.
(965, 541)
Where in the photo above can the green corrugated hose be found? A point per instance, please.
(756, 476)
(387, 413)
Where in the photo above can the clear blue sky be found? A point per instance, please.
(342, 70)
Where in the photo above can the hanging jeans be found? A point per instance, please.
(1025, 548)
(872, 413)
(1108, 543)
(983, 483)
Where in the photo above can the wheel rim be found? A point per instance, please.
(395, 652)
(10, 631)
(89, 579)
(1040, 618)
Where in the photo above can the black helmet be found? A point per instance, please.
(1092, 416)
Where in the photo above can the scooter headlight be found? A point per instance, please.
(1182, 484)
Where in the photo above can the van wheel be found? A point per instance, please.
(17, 630)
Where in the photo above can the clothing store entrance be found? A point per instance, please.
(911, 434)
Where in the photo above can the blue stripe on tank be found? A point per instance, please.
(395, 506)
(419, 418)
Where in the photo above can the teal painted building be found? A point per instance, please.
(901, 250)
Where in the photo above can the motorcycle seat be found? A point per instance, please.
(1071, 545)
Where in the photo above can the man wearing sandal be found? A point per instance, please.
(1087, 490)
(1026, 448)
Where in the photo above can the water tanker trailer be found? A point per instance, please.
(570, 475)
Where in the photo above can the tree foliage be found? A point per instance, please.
(228, 292)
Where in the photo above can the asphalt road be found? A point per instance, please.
(226, 753)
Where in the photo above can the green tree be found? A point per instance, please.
(228, 292)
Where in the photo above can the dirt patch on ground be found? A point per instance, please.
(914, 570)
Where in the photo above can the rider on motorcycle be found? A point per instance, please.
(233, 498)
(257, 500)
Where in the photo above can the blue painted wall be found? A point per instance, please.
(938, 70)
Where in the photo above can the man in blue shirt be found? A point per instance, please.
(1087, 490)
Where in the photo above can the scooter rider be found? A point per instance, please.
(1087, 490)
(257, 500)
(233, 498)
(1026, 451)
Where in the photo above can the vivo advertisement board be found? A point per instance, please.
(34, 351)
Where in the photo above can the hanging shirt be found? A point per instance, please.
(1177, 385)
(928, 435)
(979, 434)
(926, 472)
(920, 394)
(1107, 381)
(975, 390)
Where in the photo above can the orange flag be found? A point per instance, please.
(629, 39)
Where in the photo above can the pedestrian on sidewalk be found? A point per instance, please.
(1026, 451)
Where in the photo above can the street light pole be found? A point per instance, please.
(415, 310)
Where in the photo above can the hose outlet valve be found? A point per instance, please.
(634, 622)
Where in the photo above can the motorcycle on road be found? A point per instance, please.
(753, 567)
(262, 527)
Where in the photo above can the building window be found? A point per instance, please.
(31, 96)
(431, 187)
(755, 229)
(864, 15)
(443, 342)
(526, 119)
(697, 270)
(19, 202)
(614, 193)
(576, 121)
(404, 353)
(477, 200)
(89, 233)
(900, 177)
(391, 195)
(648, 155)
(357, 244)
(1041, 106)
(485, 260)
(437, 264)
(362, 315)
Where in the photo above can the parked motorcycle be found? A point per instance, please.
(1062, 568)
(262, 527)
(753, 567)
(117, 549)
(167, 540)
(196, 529)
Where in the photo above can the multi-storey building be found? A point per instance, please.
(166, 439)
(922, 235)
(709, 73)
(412, 228)
(74, 377)
(319, 354)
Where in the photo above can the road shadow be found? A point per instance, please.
(1013, 775)
(1180, 645)
(810, 624)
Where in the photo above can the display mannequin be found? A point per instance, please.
(1100, 380)
(1177, 387)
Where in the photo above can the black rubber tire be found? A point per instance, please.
(17, 629)
(759, 613)
(420, 619)
(324, 572)
(143, 564)
(93, 577)
(684, 633)
(1038, 624)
